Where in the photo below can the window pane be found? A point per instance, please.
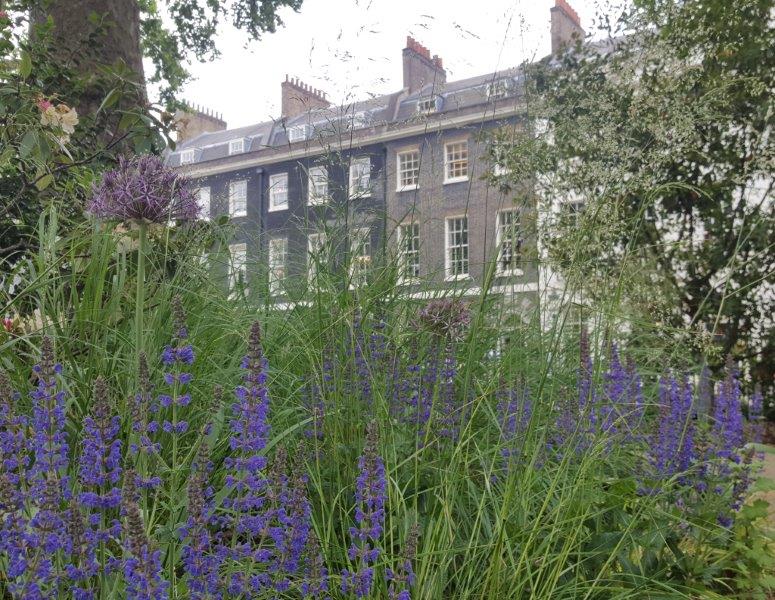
(360, 255)
(509, 242)
(456, 160)
(238, 197)
(409, 251)
(318, 184)
(278, 191)
(360, 177)
(457, 247)
(408, 168)
(203, 201)
(278, 257)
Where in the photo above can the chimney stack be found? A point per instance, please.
(298, 98)
(196, 120)
(419, 68)
(566, 26)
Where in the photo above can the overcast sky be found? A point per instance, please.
(351, 49)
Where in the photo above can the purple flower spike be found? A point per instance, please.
(673, 446)
(402, 580)
(142, 568)
(728, 417)
(370, 498)
(142, 188)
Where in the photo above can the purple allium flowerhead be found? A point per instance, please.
(143, 188)
(370, 499)
(446, 317)
(402, 579)
(142, 567)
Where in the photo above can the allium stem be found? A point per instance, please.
(140, 293)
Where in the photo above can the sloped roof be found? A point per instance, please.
(391, 109)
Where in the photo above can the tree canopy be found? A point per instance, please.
(663, 127)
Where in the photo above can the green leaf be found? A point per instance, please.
(25, 65)
(29, 143)
(110, 99)
(5, 157)
(756, 510)
(44, 182)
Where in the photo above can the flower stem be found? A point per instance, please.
(140, 293)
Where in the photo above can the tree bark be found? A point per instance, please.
(86, 46)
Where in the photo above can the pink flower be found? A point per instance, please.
(3, 15)
(7, 321)
(44, 104)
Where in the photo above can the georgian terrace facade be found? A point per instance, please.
(403, 176)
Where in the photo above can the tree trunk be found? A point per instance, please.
(85, 43)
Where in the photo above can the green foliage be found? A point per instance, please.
(44, 160)
(663, 128)
(580, 527)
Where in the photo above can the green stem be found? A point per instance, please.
(140, 293)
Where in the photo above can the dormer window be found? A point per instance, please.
(298, 133)
(359, 120)
(236, 146)
(187, 157)
(497, 89)
(426, 105)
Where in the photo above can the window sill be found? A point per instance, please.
(510, 273)
(408, 282)
(316, 201)
(277, 208)
(407, 188)
(457, 277)
(237, 215)
(456, 180)
(357, 195)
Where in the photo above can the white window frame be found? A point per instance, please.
(450, 164)
(187, 157)
(360, 255)
(314, 196)
(236, 146)
(499, 228)
(238, 264)
(203, 201)
(357, 189)
(277, 259)
(498, 89)
(448, 248)
(427, 106)
(278, 188)
(298, 133)
(404, 252)
(316, 245)
(234, 188)
(400, 186)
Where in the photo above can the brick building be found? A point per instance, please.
(402, 177)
